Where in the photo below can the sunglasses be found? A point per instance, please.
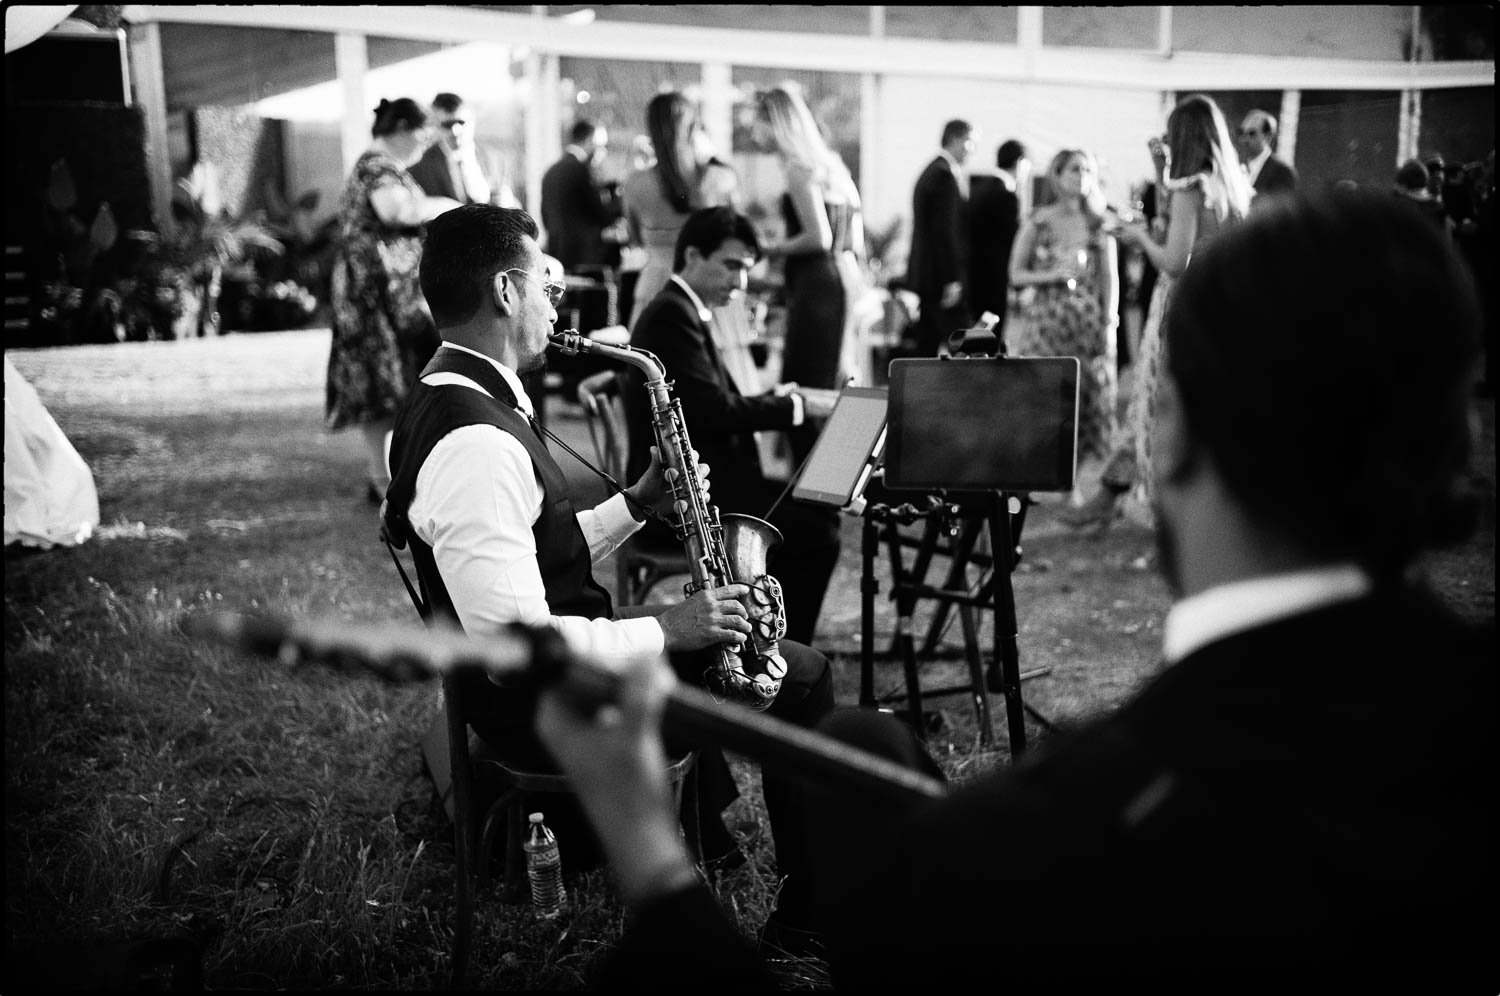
(450, 125)
(1248, 132)
(554, 291)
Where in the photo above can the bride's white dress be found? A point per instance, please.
(50, 498)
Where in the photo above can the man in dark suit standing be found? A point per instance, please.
(1265, 809)
(1268, 175)
(714, 255)
(994, 219)
(575, 207)
(939, 261)
(450, 166)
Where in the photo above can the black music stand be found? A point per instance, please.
(990, 429)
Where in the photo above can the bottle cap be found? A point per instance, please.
(536, 817)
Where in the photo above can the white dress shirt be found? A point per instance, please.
(958, 173)
(706, 316)
(468, 178)
(1229, 609)
(476, 498)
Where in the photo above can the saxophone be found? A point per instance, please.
(731, 550)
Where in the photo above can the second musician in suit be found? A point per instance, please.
(715, 251)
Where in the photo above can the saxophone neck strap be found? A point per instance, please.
(614, 485)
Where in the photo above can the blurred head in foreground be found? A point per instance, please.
(1320, 362)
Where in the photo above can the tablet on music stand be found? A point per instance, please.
(844, 455)
(991, 424)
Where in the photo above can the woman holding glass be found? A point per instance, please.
(1204, 191)
(1063, 267)
(658, 199)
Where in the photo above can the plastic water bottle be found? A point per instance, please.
(544, 869)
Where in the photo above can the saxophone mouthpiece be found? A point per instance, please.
(569, 343)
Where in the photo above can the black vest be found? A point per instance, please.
(429, 414)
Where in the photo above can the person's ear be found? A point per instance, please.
(499, 285)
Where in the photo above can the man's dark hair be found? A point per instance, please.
(955, 129)
(448, 103)
(401, 114)
(709, 228)
(583, 131)
(1009, 153)
(1324, 353)
(464, 248)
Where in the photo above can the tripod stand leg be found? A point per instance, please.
(976, 677)
(1006, 654)
(869, 540)
(957, 580)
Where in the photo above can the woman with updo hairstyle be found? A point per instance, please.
(1204, 192)
(383, 334)
(821, 211)
(657, 200)
(1063, 264)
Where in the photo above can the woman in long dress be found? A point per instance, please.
(821, 209)
(1064, 265)
(1205, 192)
(383, 334)
(658, 200)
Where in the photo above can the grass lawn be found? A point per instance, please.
(281, 816)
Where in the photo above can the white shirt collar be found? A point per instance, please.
(952, 163)
(1228, 609)
(1008, 178)
(576, 151)
(509, 376)
(704, 314)
(1255, 165)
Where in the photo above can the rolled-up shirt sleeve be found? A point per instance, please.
(475, 501)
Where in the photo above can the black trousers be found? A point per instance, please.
(806, 697)
(936, 323)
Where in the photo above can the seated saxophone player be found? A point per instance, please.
(1241, 823)
(496, 540)
(715, 251)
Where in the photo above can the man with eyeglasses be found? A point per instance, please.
(487, 511)
(450, 166)
(1268, 175)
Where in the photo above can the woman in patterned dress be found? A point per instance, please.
(383, 334)
(1205, 191)
(1063, 264)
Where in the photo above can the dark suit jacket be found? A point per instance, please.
(721, 422)
(939, 231)
(432, 175)
(574, 212)
(1269, 808)
(994, 219)
(1276, 177)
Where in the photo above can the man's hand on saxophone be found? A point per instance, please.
(654, 491)
(711, 616)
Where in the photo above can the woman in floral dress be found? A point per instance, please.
(1204, 192)
(382, 331)
(1063, 267)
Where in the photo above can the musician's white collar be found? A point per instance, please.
(705, 315)
(512, 380)
(1227, 609)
